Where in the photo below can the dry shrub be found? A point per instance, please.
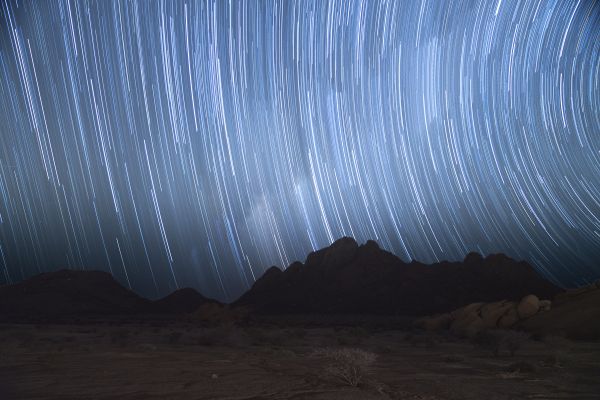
(348, 365)
(559, 351)
(514, 340)
(498, 340)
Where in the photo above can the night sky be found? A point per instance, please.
(189, 143)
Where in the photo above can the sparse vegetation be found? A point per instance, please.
(559, 348)
(498, 340)
(349, 365)
(382, 366)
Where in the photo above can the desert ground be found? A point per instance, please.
(185, 360)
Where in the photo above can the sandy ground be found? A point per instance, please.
(184, 361)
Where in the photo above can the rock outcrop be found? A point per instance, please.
(474, 318)
(528, 306)
(347, 278)
(574, 314)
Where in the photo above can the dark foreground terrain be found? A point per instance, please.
(166, 359)
(482, 328)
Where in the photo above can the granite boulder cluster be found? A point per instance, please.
(474, 318)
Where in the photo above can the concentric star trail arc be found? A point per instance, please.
(197, 143)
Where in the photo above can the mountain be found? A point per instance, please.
(343, 278)
(352, 279)
(181, 301)
(69, 293)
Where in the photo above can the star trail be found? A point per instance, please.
(192, 143)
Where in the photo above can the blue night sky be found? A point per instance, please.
(192, 143)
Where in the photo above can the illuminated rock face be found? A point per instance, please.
(474, 318)
(528, 306)
(574, 313)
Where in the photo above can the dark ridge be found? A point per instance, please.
(346, 278)
(69, 293)
(181, 301)
(86, 294)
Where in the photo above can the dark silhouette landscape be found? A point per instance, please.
(188, 189)
(352, 321)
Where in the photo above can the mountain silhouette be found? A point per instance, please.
(181, 301)
(343, 278)
(353, 279)
(69, 293)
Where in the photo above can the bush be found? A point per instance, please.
(497, 340)
(559, 348)
(350, 366)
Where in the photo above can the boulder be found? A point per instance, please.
(509, 319)
(476, 326)
(461, 326)
(528, 306)
(545, 305)
(434, 323)
(492, 312)
(462, 312)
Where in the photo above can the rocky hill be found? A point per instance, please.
(353, 279)
(344, 278)
(181, 301)
(69, 293)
